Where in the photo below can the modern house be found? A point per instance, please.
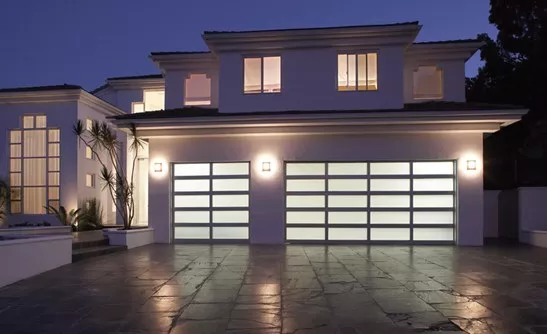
(325, 135)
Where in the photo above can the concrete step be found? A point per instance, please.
(89, 252)
(90, 243)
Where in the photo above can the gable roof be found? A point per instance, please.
(40, 88)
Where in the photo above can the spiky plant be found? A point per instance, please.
(5, 195)
(91, 215)
(67, 218)
(103, 141)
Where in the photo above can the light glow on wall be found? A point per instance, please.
(158, 167)
(470, 164)
(266, 165)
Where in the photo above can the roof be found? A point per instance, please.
(453, 41)
(40, 88)
(317, 28)
(167, 53)
(136, 77)
(188, 112)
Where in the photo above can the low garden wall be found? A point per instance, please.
(41, 230)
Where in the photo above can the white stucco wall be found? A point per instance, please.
(267, 194)
(175, 86)
(532, 211)
(491, 208)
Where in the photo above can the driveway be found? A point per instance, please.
(294, 289)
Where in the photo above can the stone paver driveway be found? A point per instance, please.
(295, 289)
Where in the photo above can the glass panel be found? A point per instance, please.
(347, 234)
(34, 200)
(350, 168)
(15, 165)
(88, 152)
(28, 122)
(191, 185)
(54, 150)
(41, 122)
(347, 217)
(154, 100)
(389, 201)
(191, 201)
(89, 180)
(340, 201)
(15, 151)
(305, 233)
(15, 179)
(191, 169)
(15, 206)
(15, 194)
(342, 71)
(305, 201)
(34, 171)
(372, 71)
(15, 136)
(433, 168)
(137, 107)
(305, 169)
(433, 201)
(434, 234)
(272, 74)
(191, 232)
(389, 168)
(362, 71)
(389, 234)
(54, 135)
(390, 217)
(228, 201)
(34, 143)
(54, 164)
(389, 185)
(197, 90)
(191, 217)
(230, 216)
(309, 217)
(305, 185)
(252, 75)
(88, 124)
(54, 179)
(352, 72)
(433, 218)
(348, 185)
(433, 184)
(53, 193)
(230, 232)
(54, 203)
(231, 185)
(237, 168)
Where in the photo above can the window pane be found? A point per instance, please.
(53, 193)
(238, 168)
(337, 201)
(34, 200)
(15, 151)
(191, 217)
(305, 185)
(372, 71)
(88, 152)
(433, 218)
(305, 217)
(347, 217)
(28, 122)
(362, 71)
(347, 234)
(231, 216)
(305, 169)
(191, 169)
(379, 234)
(54, 179)
(272, 74)
(434, 234)
(197, 90)
(342, 71)
(191, 232)
(348, 185)
(15, 165)
(225, 201)
(34, 143)
(389, 185)
(15, 179)
(89, 180)
(389, 168)
(88, 124)
(54, 150)
(34, 171)
(41, 121)
(54, 203)
(15, 194)
(305, 233)
(433, 168)
(352, 72)
(433, 201)
(137, 107)
(230, 233)
(15, 206)
(433, 184)
(154, 100)
(15, 137)
(351, 168)
(253, 76)
(54, 164)
(389, 201)
(390, 217)
(189, 201)
(305, 201)
(231, 185)
(54, 135)
(191, 185)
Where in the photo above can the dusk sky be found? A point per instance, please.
(47, 42)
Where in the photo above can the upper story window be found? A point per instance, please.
(197, 90)
(262, 75)
(153, 100)
(357, 71)
(428, 83)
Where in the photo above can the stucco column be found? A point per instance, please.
(159, 211)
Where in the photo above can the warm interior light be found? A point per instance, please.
(158, 167)
(266, 166)
(471, 164)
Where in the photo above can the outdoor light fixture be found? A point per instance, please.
(471, 164)
(266, 166)
(158, 167)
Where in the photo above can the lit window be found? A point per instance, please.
(90, 180)
(428, 83)
(137, 107)
(88, 124)
(88, 152)
(34, 166)
(197, 90)
(357, 72)
(262, 75)
(154, 100)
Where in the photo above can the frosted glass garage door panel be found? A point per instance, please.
(305, 217)
(390, 185)
(347, 234)
(389, 168)
(341, 201)
(191, 169)
(220, 216)
(191, 217)
(305, 169)
(350, 168)
(347, 217)
(230, 201)
(231, 185)
(348, 185)
(191, 201)
(305, 233)
(191, 185)
(434, 234)
(230, 232)
(191, 233)
(390, 217)
(305, 201)
(389, 234)
(305, 185)
(389, 201)
(433, 168)
(433, 218)
(433, 201)
(434, 185)
(238, 168)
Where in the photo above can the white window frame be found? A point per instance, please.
(357, 54)
(262, 74)
(92, 178)
(426, 97)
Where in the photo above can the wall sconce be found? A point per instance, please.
(266, 166)
(158, 167)
(471, 164)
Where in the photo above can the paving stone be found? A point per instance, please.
(466, 310)
(207, 311)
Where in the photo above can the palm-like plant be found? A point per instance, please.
(5, 195)
(67, 218)
(104, 143)
(91, 215)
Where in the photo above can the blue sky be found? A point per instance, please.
(44, 42)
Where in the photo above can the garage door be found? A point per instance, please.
(384, 202)
(211, 201)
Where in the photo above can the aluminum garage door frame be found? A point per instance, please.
(367, 177)
(201, 189)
